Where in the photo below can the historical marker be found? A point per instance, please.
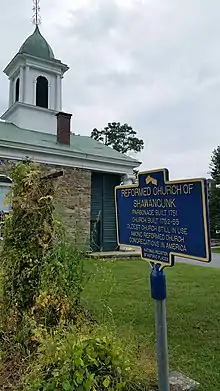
(165, 219)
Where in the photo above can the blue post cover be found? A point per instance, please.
(158, 283)
(164, 218)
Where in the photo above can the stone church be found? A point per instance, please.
(35, 126)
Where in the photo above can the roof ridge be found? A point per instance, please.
(80, 143)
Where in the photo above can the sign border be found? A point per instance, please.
(205, 217)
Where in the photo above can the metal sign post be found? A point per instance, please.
(158, 293)
(164, 219)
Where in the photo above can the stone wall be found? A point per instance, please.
(73, 200)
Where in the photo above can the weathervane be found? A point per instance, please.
(36, 18)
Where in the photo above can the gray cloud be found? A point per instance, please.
(153, 64)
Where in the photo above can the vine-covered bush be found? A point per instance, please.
(28, 235)
(42, 278)
(42, 272)
(79, 362)
(62, 282)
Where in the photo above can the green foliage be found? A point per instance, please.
(42, 278)
(64, 269)
(42, 273)
(214, 195)
(62, 281)
(214, 210)
(28, 235)
(79, 361)
(215, 165)
(122, 138)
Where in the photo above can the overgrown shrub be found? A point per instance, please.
(62, 281)
(41, 319)
(42, 271)
(28, 235)
(63, 269)
(77, 361)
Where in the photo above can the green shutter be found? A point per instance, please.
(96, 212)
(103, 220)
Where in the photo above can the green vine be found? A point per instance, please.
(42, 280)
(28, 235)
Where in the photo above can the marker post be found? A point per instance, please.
(158, 293)
(164, 219)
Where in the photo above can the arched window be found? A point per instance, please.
(42, 92)
(17, 88)
(5, 185)
(5, 207)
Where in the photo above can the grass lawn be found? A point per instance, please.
(216, 250)
(118, 294)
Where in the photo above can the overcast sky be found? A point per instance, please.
(154, 64)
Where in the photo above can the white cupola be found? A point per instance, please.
(35, 93)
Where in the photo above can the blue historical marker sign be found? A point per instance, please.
(164, 218)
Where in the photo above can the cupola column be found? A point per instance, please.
(11, 93)
(34, 92)
(49, 97)
(58, 93)
(21, 90)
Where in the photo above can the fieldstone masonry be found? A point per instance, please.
(73, 194)
(73, 200)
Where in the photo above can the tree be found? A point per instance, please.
(214, 195)
(215, 165)
(122, 138)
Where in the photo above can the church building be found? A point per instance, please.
(35, 126)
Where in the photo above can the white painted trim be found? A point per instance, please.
(26, 84)
(35, 62)
(49, 95)
(34, 97)
(47, 69)
(68, 153)
(84, 162)
(21, 85)
(16, 105)
(60, 93)
(13, 91)
(10, 93)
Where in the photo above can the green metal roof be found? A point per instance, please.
(36, 45)
(10, 133)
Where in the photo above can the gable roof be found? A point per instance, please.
(11, 134)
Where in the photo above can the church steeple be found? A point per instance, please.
(37, 46)
(35, 77)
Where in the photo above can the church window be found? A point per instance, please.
(42, 92)
(17, 88)
(5, 186)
